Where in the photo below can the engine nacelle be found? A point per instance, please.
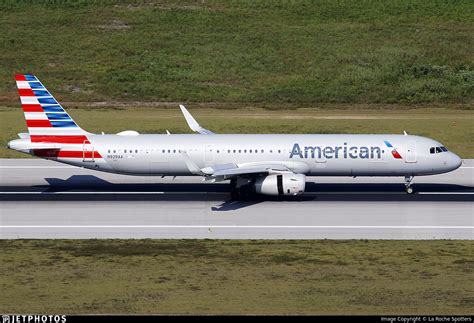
(281, 184)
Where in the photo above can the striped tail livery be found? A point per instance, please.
(46, 119)
(52, 133)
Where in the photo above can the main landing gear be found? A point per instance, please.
(241, 188)
(408, 188)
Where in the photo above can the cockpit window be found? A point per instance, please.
(437, 150)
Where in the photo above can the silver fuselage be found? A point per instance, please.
(313, 155)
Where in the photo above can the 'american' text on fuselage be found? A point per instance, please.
(330, 152)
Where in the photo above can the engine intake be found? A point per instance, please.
(281, 184)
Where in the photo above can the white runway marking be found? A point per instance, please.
(309, 193)
(95, 192)
(445, 193)
(27, 167)
(237, 226)
(96, 205)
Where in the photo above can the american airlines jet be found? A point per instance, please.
(275, 164)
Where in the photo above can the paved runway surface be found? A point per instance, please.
(41, 199)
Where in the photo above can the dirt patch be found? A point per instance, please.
(115, 24)
(162, 6)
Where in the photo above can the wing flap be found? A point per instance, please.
(250, 170)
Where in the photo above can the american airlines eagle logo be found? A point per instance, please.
(394, 151)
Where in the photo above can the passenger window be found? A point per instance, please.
(262, 151)
(432, 150)
(136, 151)
(234, 151)
(109, 151)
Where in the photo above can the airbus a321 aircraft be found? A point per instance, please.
(275, 164)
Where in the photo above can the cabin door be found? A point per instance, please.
(87, 152)
(411, 152)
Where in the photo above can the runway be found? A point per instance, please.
(42, 199)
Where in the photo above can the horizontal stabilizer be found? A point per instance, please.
(25, 144)
(44, 145)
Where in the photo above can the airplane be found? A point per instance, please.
(269, 164)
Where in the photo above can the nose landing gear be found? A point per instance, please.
(408, 188)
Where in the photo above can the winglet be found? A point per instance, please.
(192, 123)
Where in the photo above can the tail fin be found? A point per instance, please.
(46, 119)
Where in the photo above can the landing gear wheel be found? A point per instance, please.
(241, 190)
(233, 184)
(408, 188)
(234, 191)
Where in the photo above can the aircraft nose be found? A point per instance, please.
(455, 161)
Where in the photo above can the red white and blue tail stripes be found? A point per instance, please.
(46, 119)
(48, 122)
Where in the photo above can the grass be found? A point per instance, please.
(300, 52)
(452, 126)
(205, 276)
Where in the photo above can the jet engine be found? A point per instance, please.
(281, 184)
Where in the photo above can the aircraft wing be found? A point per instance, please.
(223, 171)
(192, 123)
(249, 170)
